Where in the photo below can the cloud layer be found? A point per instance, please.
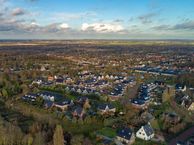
(102, 28)
(184, 26)
(22, 22)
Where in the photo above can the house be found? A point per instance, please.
(106, 109)
(171, 118)
(37, 81)
(64, 104)
(82, 100)
(90, 91)
(90, 81)
(117, 92)
(146, 132)
(73, 89)
(42, 68)
(48, 104)
(78, 90)
(180, 87)
(50, 78)
(59, 81)
(126, 136)
(144, 92)
(115, 95)
(30, 97)
(47, 83)
(107, 76)
(132, 83)
(68, 80)
(78, 112)
(159, 83)
(144, 97)
(68, 88)
(138, 103)
(85, 92)
(49, 96)
(184, 100)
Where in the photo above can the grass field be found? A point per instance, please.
(109, 132)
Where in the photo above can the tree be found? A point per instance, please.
(77, 140)
(39, 139)
(25, 88)
(28, 139)
(58, 138)
(39, 101)
(4, 93)
(67, 138)
(168, 93)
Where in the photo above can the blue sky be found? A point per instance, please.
(100, 19)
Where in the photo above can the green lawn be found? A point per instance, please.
(109, 132)
(155, 124)
(142, 142)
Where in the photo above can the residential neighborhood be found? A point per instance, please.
(99, 98)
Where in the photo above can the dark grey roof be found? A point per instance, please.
(46, 93)
(125, 133)
(138, 101)
(148, 129)
(30, 97)
(82, 99)
(64, 102)
(179, 86)
(78, 110)
(103, 106)
(47, 83)
(48, 104)
(59, 80)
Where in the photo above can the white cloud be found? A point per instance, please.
(63, 26)
(102, 27)
(55, 28)
(34, 24)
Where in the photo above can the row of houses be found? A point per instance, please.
(159, 71)
(102, 76)
(97, 88)
(81, 90)
(99, 82)
(77, 107)
(144, 95)
(89, 83)
(53, 80)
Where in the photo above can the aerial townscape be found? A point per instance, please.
(96, 72)
(97, 94)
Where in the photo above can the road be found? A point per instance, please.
(183, 136)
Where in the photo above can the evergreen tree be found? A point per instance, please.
(58, 138)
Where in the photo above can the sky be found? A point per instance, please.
(96, 19)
